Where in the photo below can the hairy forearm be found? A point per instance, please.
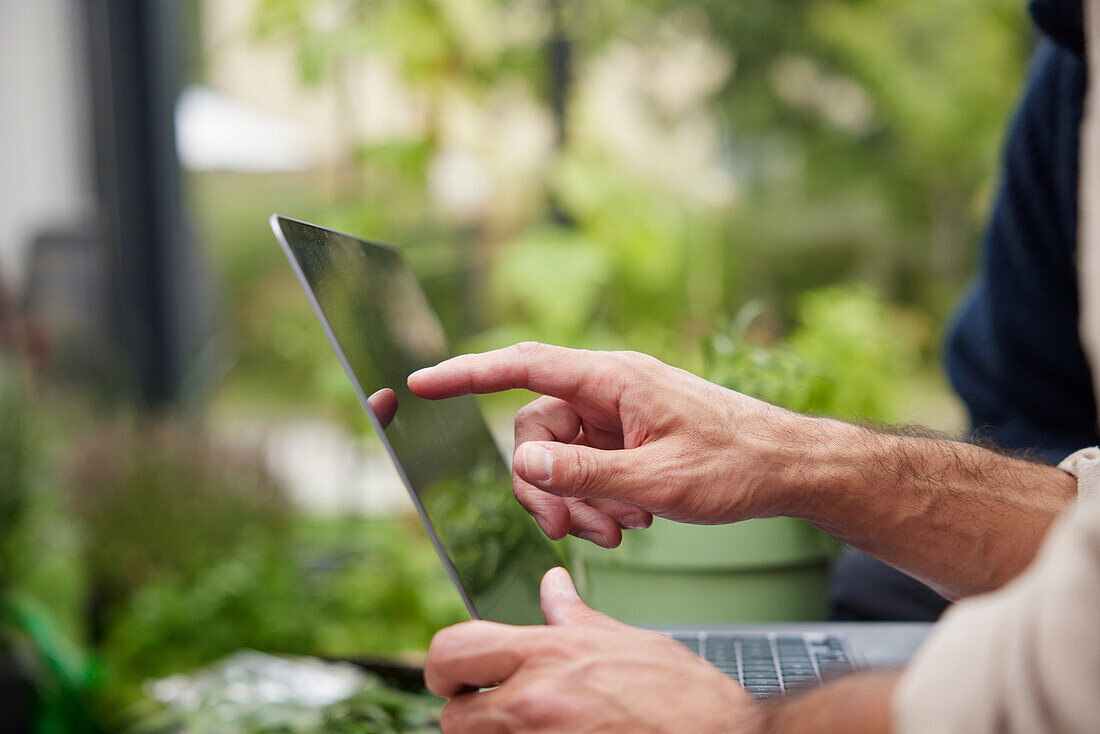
(859, 704)
(959, 517)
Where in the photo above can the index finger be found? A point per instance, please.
(475, 655)
(550, 370)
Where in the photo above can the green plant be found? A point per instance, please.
(253, 597)
(194, 553)
(849, 355)
(38, 654)
(157, 497)
(340, 588)
(17, 463)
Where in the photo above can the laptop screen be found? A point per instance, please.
(384, 329)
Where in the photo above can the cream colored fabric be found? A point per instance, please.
(1088, 231)
(1085, 466)
(1027, 658)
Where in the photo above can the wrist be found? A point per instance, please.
(831, 468)
(860, 703)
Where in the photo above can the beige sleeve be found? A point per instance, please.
(1088, 226)
(1027, 657)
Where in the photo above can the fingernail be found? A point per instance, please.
(542, 523)
(538, 464)
(561, 582)
(593, 537)
(634, 522)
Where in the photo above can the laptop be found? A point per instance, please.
(383, 329)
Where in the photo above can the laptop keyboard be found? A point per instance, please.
(772, 665)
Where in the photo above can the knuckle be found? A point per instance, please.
(477, 630)
(525, 413)
(529, 348)
(583, 473)
(536, 705)
(531, 412)
(438, 646)
(440, 650)
(450, 718)
(533, 500)
(638, 359)
(452, 641)
(557, 647)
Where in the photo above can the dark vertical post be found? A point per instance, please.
(159, 308)
(560, 54)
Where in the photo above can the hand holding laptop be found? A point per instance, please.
(583, 672)
(623, 407)
(625, 434)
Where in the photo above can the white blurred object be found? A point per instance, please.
(215, 132)
(841, 101)
(250, 677)
(461, 185)
(329, 471)
(647, 105)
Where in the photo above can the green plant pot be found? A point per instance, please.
(756, 571)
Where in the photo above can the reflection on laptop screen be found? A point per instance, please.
(385, 330)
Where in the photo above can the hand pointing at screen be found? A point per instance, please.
(618, 437)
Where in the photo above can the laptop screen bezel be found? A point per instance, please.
(281, 237)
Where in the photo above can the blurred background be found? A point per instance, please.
(782, 196)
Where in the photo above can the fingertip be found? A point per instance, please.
(548, 510)
(558, 583)
(610, 541)
(636, 521)
(548, 528)
(561, 604)
(415, 381)
(534, 463)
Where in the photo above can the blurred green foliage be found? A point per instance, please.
(157, 497)
(17, 455)
(854, 141)
(40, 654)
(803, 143)
(428, 40)
(192, 552)
(849, 355)
(353, 590)
(894, 195)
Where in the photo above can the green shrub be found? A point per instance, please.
(368, 589)
(17, 456)
(849, 356)
(195, 553)
(159, 498)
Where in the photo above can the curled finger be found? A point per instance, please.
(548, 510)
(588, 523)
(629, 517)
(476, 712)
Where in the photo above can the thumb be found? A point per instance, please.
(571, 470)
(561, 604)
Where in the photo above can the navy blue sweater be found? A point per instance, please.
(1014, 355)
